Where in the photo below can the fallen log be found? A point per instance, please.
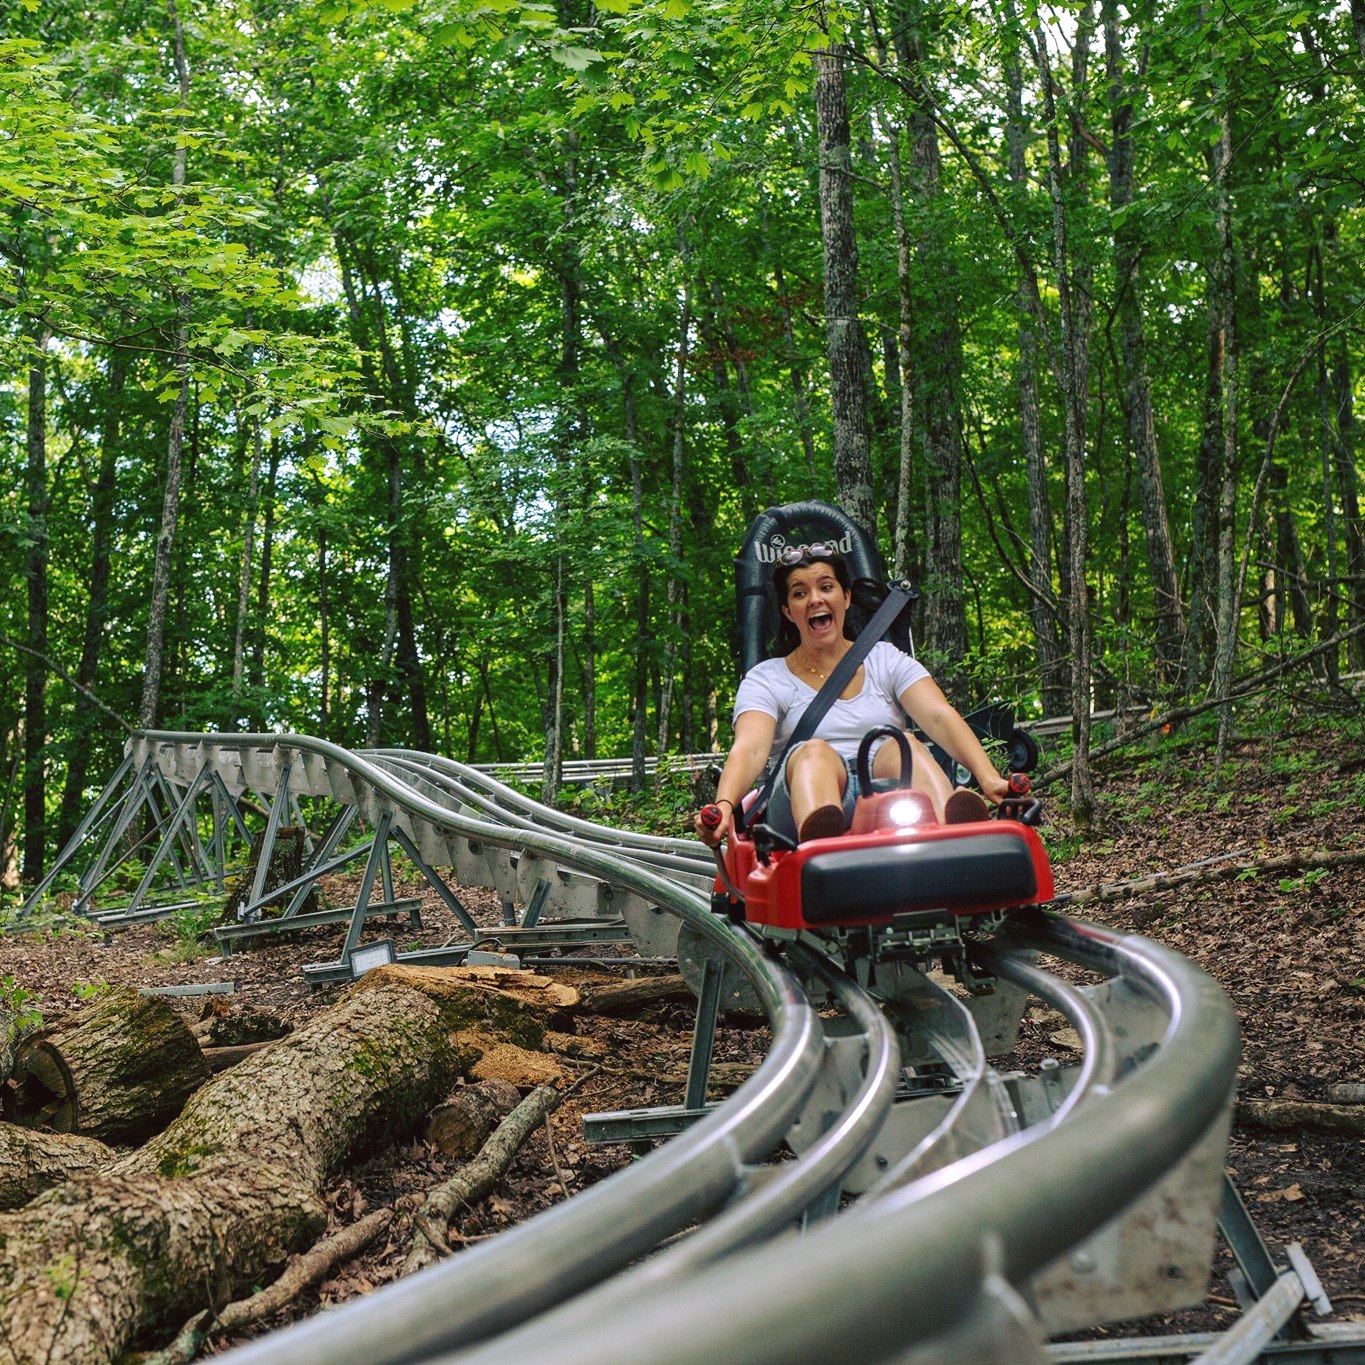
(31, 1162)
(220, 1058)
(461, 1125)
(628, 997)
(219, 1200)
(118, 1070)
(1234, 866)
(475, 1179)
(302, 1272)
(1284, 1115)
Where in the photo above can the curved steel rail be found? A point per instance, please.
(470, 788)
(919, 1254)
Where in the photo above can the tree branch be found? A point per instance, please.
(69, 680)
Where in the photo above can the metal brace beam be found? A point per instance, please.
(448, 897)
(277, 808)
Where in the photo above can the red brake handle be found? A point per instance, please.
(711, 816)
(1020, 784)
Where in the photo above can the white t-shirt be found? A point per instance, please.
(771, 687)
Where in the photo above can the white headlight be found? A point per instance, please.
(906, 811)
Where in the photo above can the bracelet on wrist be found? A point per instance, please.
(725, 800)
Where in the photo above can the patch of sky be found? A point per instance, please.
(320, 282)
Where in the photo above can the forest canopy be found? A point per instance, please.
(407, 372)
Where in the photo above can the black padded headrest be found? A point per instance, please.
(804, 523)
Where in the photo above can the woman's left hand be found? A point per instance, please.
(994, 787)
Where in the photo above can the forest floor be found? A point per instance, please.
(1288, 949)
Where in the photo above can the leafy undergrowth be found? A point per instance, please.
(1288, 948)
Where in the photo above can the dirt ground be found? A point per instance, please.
(1288, 947)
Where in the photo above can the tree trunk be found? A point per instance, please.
(1342, 445)
(175, 441)
(35, 663)
(253, 496)
(718, 354)
(1228, 605)
(1203, 554)
(797, 373)
(1141, 424)
(554, 707)
(259, 636)
(324, 637)
(589, 669)
(286, 863)
(639, 724)
(675, 511)
(937, 363)
(846, 342)
(218, 1200)
(1042, 600)
(118, 1070)
(1290, 574)
(904, 542)
(1073, 402)
(97, 606)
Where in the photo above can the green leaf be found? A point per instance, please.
(575, 58)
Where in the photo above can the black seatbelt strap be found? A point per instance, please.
(897, 598)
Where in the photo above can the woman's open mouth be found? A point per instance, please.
(820, 620)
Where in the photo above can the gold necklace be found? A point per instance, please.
(811, 669)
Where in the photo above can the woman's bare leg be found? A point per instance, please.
(816, 777)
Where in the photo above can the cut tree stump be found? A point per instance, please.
(218, 1201)
(119, 1070)
(286, 863)
(222, 1026)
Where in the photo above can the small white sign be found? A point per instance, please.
(370, 956)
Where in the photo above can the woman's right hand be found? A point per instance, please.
(712, 823)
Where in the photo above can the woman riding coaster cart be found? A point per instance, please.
(813, 797)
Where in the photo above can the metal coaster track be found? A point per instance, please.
(977, 1188)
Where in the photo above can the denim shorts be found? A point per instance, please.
(779, 813)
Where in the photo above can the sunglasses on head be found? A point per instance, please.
(794, 554)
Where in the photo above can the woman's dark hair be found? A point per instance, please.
(788, 637)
